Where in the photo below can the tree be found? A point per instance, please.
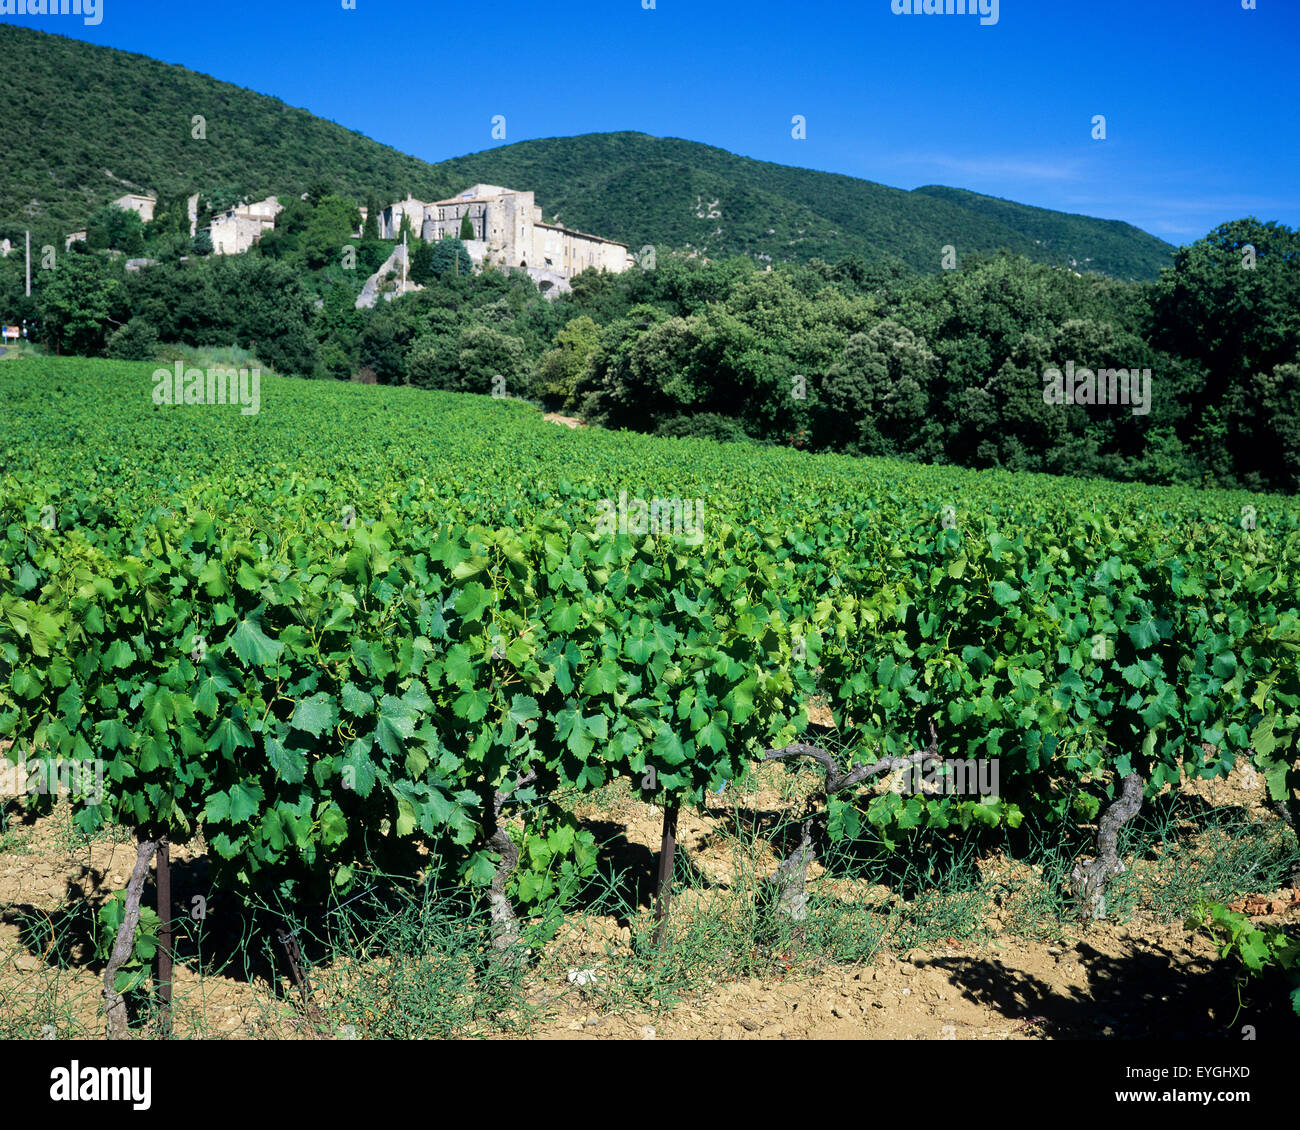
(16, 304)
(182, 303)
(135, 341)
(559, 370)
(1231, 302)
(117, 228)
(466, 227)
(1235, 310)
(316, 193)
(331, 226)
(371, 254)
(876, 397)
(78, 305)
(451, 258)
(422, 259)
(705, 425)
(333, 362)
(371, 230)
(689, 285)
(622, 386)
(598, 294)
(291, 224)
(171, 218)
(1265, 410)
(339, 318)
(974, 321)
(170, 247)
(163, 224)
(485, 354)
(273, 314)
(434, 361)
(386, 341)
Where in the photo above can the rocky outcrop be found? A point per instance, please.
(374, 284)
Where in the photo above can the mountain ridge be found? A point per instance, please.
(91, 121)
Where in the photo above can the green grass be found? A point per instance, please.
(14, 351)
(210, 357)
(12, 833)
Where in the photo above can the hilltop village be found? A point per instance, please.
(504, 225)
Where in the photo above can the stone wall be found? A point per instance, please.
(235, 232)
(390, 219)
(395, 264)
(142, 206)
(569, 252)
(266, 209)
(479, 249)
(509, 224)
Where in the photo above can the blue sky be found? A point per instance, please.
(1200, 97)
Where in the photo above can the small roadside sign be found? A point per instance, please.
(12, 332)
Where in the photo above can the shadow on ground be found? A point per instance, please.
(1153, 993)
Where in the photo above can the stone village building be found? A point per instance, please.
(236, 230)
(142, 206)
(232, 232)
(508, 232)
(507, 224)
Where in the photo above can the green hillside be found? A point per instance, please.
(642, 189)
(89, 123)
(1109, 242)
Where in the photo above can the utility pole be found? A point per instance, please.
(403, 260)
(29, 263)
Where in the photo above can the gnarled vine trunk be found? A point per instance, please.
(1090, 878)
(505, 926)
(791, 876)
(790, 879)
(124, 943)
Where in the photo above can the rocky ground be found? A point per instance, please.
(1140, 978)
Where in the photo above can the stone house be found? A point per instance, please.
(234, 231)
(509, 232)
(390, 218)
(142, 206)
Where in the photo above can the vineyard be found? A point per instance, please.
(379, 631)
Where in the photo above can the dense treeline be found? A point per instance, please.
(866, 359)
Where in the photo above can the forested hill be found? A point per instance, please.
(88, 123)
(642, 189)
